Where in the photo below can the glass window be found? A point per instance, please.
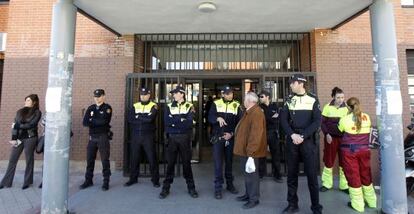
(407, 2)
(410, 71)
(3, 37)
(278, 52)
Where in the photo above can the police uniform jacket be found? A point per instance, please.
(301, 115)
(272, 123)
(142, 116)
(178, 118)
(97, 118)
(228, 110)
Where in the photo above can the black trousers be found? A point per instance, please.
(220, 150)
(306, 151)
(98, 142)
(251, 181)
(29, 146)
(179, 144)
(274, 147)
(144, 142)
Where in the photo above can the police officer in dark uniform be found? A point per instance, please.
(223, 116)
(142, 120)
(178, 122)
(271, 111)
(301, 118)
(97, 118)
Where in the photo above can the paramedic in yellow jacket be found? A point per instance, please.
(356, 156)
(331, 114)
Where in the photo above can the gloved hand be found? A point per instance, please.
(250, 167)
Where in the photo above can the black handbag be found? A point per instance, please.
(40, 145)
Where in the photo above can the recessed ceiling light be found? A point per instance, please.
(207, 7)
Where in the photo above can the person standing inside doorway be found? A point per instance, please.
(223, 116)
(356, 156)
(331, 114)
(178, 122)
(24, 138)
(300, 119)
(271, 111)
(97, 118)
(142, 119)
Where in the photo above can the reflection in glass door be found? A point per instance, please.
(194, 95)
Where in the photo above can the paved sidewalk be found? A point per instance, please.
(143, 198)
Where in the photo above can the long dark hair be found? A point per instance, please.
(336, 91)
(355, 108)
(27, 112)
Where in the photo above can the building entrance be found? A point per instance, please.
(201, 90)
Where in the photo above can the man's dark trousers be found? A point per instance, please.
(144, 142)
(98, 142)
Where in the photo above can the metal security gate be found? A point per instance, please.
(160, 85)
(162, 82)
(224, 52)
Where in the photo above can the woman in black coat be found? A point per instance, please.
(24, 137)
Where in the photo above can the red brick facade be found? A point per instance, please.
(340, 58)
(99, 54)
(4, 13)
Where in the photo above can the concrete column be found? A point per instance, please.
(388, 107)
(59, 109)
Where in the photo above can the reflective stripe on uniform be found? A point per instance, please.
(180, 108)
(333, 111)
(305, 102)
(140, 108)
(231, 108)
(347, 124)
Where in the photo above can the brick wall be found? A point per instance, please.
(4, 13)
(344, 59)
(98, 55)
(138, 55)
(341, 58)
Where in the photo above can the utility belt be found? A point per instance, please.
(354, 147)
(108, 134)
(215, 138)
(178, 134)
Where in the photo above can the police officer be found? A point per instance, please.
(271, 111)
(142, 120)
(301, 118)
(97, 118)
(223, 116)
(178, 122)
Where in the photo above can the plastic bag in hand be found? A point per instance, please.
(250, 167)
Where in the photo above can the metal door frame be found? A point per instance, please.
(182, 77)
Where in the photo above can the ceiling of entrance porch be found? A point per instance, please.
(183, 16)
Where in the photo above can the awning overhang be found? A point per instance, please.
(165, 16)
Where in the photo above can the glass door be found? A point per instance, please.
(194, 95)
